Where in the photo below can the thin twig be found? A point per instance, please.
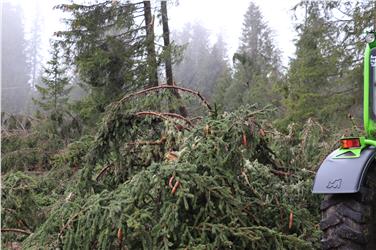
(86, 207)
(15, 230)
(196, 118)
(280, 209)
(65, 226)
(102, 172)
(280, 173)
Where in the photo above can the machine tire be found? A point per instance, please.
(349, 220)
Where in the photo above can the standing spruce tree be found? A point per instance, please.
(219, 66)
(192, 70)
(223, 74)
(257, 64)
(221, 86)
(54, 89)
(108, 49)
(351, 20)
(150, 46)
(202, 64)
(34, 45)
(314, 85)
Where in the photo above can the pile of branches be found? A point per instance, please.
(28, 143)
(162, 181)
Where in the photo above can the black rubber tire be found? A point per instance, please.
(349, 220)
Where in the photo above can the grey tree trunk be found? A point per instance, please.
(168, 64)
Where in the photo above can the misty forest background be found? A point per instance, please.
(133, 136)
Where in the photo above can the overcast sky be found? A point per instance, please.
(227, 18)
(217, 16)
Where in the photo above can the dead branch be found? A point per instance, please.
(86, 207)
(15, 230)
(196, 118)
(102, 172)
(280, 173)
(71, 219)
(4, 131)
(165, 86)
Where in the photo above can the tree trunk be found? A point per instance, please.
(151, 57)
(168, 64)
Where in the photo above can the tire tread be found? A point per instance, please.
(348, 220)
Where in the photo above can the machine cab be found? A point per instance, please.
(344, 170)
(370, 86)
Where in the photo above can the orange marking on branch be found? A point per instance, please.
(175, 187)
(291, 219)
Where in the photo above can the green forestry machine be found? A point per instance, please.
(347, 177)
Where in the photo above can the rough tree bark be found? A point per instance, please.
(168, 64)
(150, 47)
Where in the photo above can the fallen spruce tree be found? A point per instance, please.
(157, 180)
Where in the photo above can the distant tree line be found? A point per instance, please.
(323, 79)
(111, 53)
(15, 69)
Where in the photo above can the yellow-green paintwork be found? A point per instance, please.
(369, 124)
(355, 152)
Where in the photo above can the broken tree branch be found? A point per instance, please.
(15, 230)
(165, 86)
(102, 172)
